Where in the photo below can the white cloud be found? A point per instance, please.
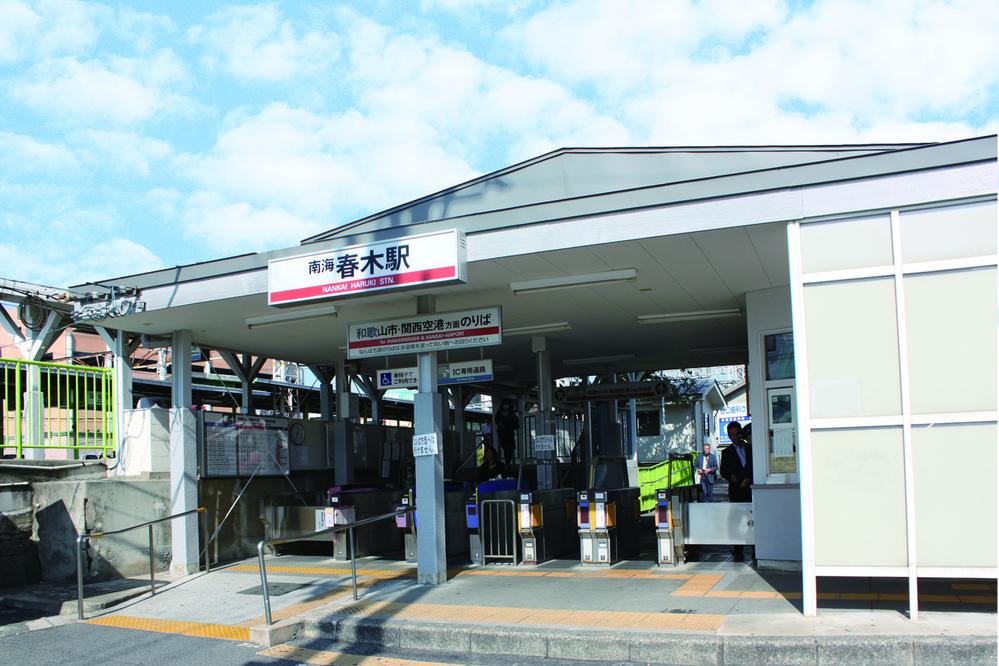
(710, 72)
(18, 24)
(25, 153)
(239, 226)
(255, 43)
(116, 257)
(122, 151)
(58, 265)
(122, 92)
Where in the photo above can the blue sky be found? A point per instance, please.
(140, 135)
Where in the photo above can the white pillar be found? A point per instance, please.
(346, 407)
(429, 413)
(183, 460)
(121, 353)
(545, 423)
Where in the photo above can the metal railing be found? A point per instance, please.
(56, 406)
(349, 527)
(495, 517)
(152, 569)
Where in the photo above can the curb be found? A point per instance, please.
(559, 643)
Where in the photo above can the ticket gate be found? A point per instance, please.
(545, 522)
(456, 539)
(608, 524)
(665, 553)
(695, 523)
(491, 520)
(348, 505)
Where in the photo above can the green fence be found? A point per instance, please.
(55, 406)
(656, 477)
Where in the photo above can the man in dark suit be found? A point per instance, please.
(737, 465)
(706, 465)
(737, 469)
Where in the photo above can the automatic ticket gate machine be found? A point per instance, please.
(454, 523)
(608, 524)
(665, 550)
(345, 505)
(544, 519)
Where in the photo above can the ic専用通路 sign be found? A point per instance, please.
(447, 374)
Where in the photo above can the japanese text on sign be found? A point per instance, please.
(447, 374)
(544, 443)
(361, 269)
(421, 333)
(425, 445)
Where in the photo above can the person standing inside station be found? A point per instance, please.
(707, 468)
(507, 424)
(737, 469)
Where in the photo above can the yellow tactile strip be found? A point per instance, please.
(498, 615)
(224, 631)
(302, 655)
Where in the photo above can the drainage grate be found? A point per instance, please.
(275, 589)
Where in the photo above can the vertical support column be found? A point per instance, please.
(633, 443)
(346, 408)
(121, 352)
(431, 554)
(325, 376)
(183, 460)
(32, 429)
(545, 424)
(802, 397)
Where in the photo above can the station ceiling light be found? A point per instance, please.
(286, 317)
(598, 359)
(538, 329)
(696, 315)
(573, 281)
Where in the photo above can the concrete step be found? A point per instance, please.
(474, 643)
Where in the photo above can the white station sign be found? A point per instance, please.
(447, 374)
(363, 269)
(425, 333)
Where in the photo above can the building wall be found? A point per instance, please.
(676, 433)
(897, 345)
(776, 503)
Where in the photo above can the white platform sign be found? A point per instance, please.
(544, 443)
(425, 445)
(362, 269)
(447, 374)
(425, 333)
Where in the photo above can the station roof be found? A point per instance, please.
(701, 226)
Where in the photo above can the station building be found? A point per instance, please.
(856, 282)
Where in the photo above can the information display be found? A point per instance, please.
(242, 445)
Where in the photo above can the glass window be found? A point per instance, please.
(853, 348)
(948, 233)
(648, 423)
(780, 356)
(951, 328)
(843, 244)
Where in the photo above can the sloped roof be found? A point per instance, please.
(575, 173)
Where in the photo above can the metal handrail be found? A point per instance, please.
(149, 524)
(349, 527)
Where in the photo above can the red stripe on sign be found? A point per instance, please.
(364, 284)
(425, 337)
